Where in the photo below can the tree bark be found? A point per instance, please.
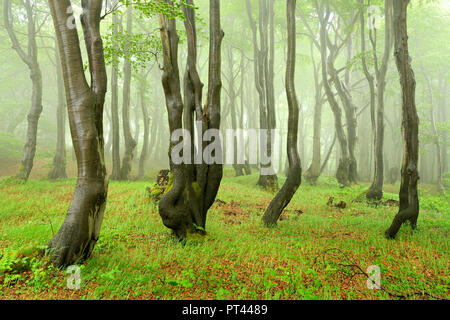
(443, 116)
(108, 144)
(238, 168)
(246, 166)
(436, 142)
(115, 124)
(16, 121)
(375, 191)
(350, 113)
(293, 180)
(130, 143)
(313, 173)
(263, 68)
(145, 118)
(31, 60)
(80, 231)
(342, 172)
(59, 161)
(409, 199)
(184, 208)
(152, 148)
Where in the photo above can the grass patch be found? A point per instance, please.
(136, 258)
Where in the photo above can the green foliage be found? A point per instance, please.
(155, 193)
(151, 8)
(169, 183)
(136, 256)
(196, 188)
(446, 180)
(143, 47)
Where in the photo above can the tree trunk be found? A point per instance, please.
(246, 166)
(327, 157)
(80, 231)
(108, 144)
(184, 208)
(137, 127)
(369, 77)
(59, 161)
(115, 126)
(31, 60)
(263, 70)
(293, 180)
(350, 117)
(342, 172)
(375, 191)
(238, 167)
(312, 174)
(443, 117)
(269, 181)
(16, 121)
(145, 118)
(409, 199)
(436, 142)
(130, 143)
(153, 135)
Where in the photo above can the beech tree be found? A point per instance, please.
(293, 179)
(264, 72)
(184, 208)
(145, 117)
(115, 124)
(130, 143)
(409, 199)
(80, 231)
(30, 57)
(377, 96)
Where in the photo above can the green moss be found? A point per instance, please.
(169, 183)
(197, 189)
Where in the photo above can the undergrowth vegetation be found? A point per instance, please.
(137, 258)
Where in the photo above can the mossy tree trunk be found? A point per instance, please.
(184, 207)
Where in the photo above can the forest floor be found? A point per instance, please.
(313, 253)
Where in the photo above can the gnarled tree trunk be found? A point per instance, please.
(80, 231)
(409, 199)
(184, 208)
(293, 179)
